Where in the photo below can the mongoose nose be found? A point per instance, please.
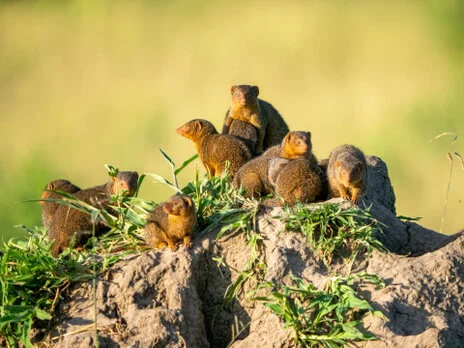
(180, 130)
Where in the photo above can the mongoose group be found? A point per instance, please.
(264, 158)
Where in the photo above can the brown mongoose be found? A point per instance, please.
(171, 222)
(49, 208)
(247, 133)
(214, 148)
(263, 116)
(301, 180)
(254, 176)
(68, 221)
(347, 173)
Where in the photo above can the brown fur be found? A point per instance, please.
(49, 208)
(301, 180)
(254, 175)
(247, 133)
(68, 221)
(347, 173)
(246, 106)
(215, 149)
(324, 164)
(171, 222)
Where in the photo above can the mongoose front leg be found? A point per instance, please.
(171, 245)
(188, 241)
(355, 194)
(227, 123)
(343, 191)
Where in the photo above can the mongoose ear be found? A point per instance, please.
(187, 201)
(198, 126)
(309, 135)
(361, 165)
(232, 89)
(256, 90)
(113, 178)
(50, 186)
(287, 138)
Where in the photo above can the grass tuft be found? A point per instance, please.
(332, 230)
(327, 317)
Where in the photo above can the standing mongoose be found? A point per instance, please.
(247, 133)
(254, 175)
(68, 221)
(263, 116)
(347, 173)
(171, 222)
(214, 148)
(48, 207)
(301, 180)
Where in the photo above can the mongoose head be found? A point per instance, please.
(124, 183)
(296, 144)
(179, 205)
(274, 168)
(60, 184)
(244, 95)
(195, 129)
(350, 172)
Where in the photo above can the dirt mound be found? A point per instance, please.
(176, 299)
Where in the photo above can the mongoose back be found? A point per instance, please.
(215, 149)
(347, 173)
(171, 222)
(68, 221)
(301, 180)
(254, 175)
(246, 106)
(49, 208)
(247, 133)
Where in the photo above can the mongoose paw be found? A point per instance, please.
(188, 244)
(173, 247)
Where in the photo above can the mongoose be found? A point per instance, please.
(68, 221)
(171, 222)
(254, 175)
(301, 180)
(215, 149)
(49, 208)
(263, 116)
(247, 133)
(347, 173)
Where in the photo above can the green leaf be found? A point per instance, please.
(185, 164)
(42, 315)
(171, 162)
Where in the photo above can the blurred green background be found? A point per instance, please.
(84, 83)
